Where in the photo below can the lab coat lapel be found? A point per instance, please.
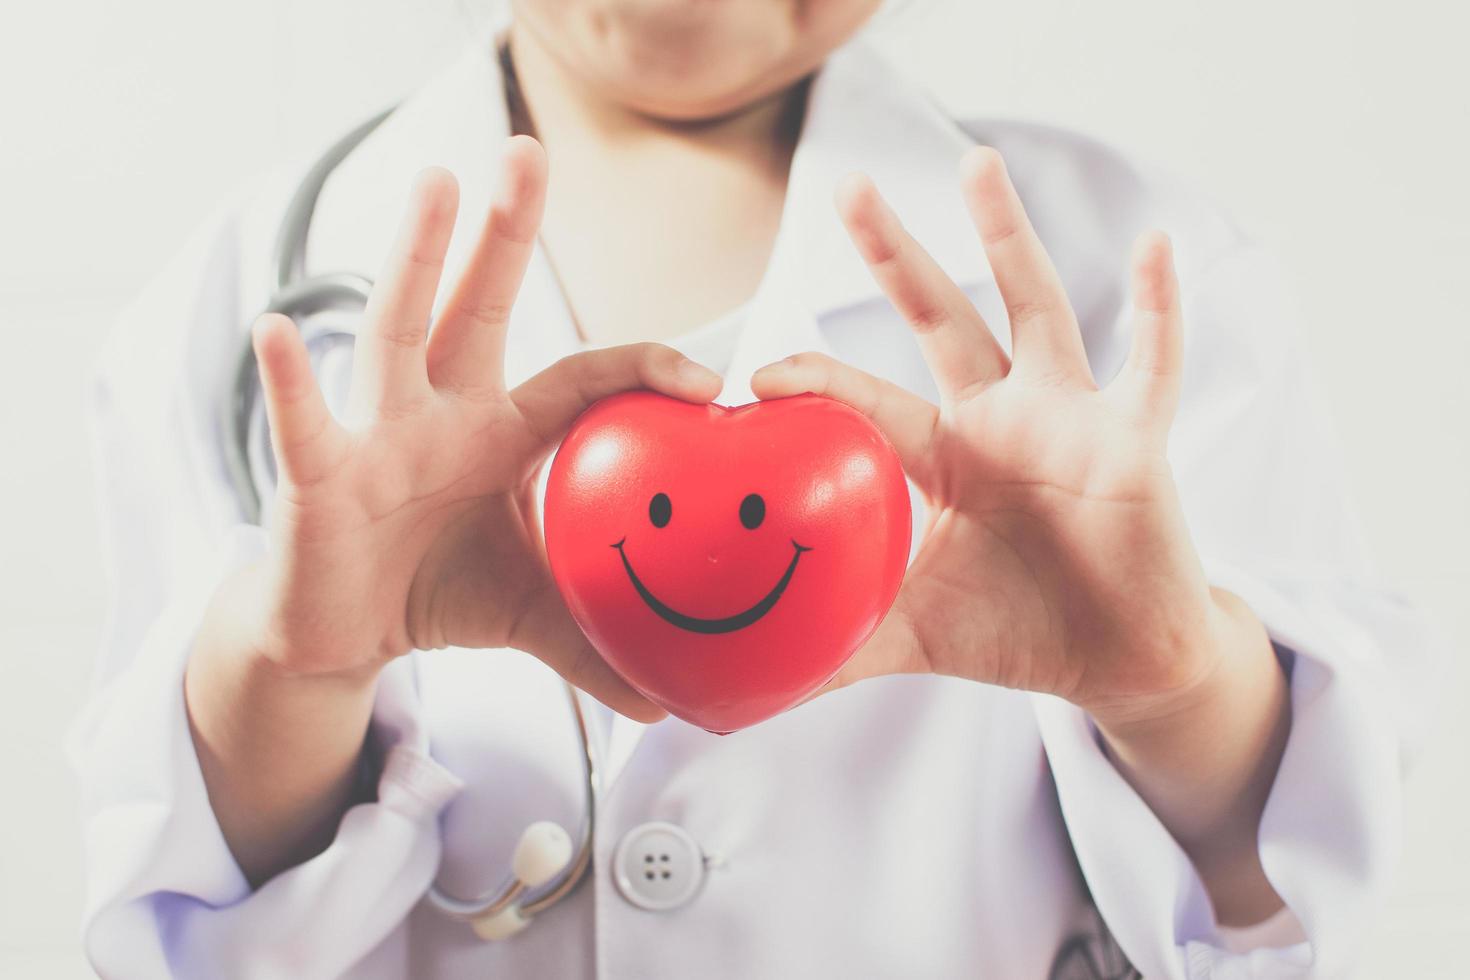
(862, 116)
(363, 201)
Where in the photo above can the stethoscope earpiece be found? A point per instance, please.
(543, 850)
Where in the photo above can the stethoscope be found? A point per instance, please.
(543, 867)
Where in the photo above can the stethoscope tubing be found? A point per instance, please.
(297, 295)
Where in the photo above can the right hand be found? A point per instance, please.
(414, 525)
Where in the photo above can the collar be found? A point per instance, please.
(862, 115)
(457, 120)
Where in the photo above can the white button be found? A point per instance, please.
(658, 866)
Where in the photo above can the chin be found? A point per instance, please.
(692, 60)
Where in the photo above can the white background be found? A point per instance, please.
(1338, 130)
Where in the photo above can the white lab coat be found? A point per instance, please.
(906, 827)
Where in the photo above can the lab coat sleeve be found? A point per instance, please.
(164, 895)
(1262, 487)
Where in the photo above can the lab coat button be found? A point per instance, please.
(658, 866)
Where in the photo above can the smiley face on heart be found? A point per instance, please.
(726, 562)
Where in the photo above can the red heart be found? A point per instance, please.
(726, 562)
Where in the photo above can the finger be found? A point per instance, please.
(551, 400)
(1045, 338)
(1150, 380)
(909, 422)
(467, 348)
(388, 372)
(957, 345)
(307, 441)
(548, 631)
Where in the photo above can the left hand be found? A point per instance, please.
(1056, 556)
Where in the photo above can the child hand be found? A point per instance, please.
(413, 526)
(1056, 556)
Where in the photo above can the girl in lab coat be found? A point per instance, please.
(1139, 705)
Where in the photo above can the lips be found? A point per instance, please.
(727, 624)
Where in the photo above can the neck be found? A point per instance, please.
(702, 200)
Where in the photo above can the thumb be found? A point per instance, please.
(551, 400)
